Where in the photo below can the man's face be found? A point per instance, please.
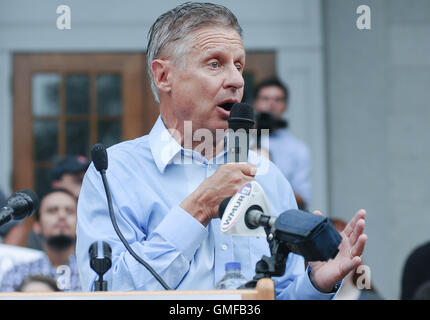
(271, 99)
(58, 215)
(210, 76)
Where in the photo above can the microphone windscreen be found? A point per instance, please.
(34, 198)
(24, 203)
(99, 156)
(241, 117)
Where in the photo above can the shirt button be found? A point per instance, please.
(224, 247)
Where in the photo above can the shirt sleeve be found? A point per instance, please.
(10, 281)
(295, 284)
(168, 249)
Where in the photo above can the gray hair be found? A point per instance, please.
(177, 24)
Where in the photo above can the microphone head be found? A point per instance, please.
(24, 203)
(100, 257)
(241, 117)
(99, 156)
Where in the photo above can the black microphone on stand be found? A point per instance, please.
(20, 205)
(240, 121)
(100, 261)
(100, 160)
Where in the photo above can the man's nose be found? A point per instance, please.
(62, 214)
(234, 78)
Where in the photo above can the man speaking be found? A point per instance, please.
(166, 190)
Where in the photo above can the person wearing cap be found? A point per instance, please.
(68, 173)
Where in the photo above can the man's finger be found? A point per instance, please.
(358, 230)
(247, 169)
(358, 248)
(318, 213)
(351, 225)
(349, 265)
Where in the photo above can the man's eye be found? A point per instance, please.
(239, 67)
(214, 65)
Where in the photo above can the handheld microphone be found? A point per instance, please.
(100, 160)
(241, 119)
(100, 261)
(20, 205)
(239, 213)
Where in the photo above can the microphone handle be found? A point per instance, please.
(238, 147)
(120, 235)
(5, 215)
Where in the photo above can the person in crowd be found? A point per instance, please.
(56, 222)
(415, 271)
(290, 155)
(67, 173)
(38, 283)
(166, 187)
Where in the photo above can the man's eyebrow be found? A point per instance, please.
(219, 51)
(51, 207)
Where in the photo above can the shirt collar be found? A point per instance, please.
(163, 146)
(165, 149)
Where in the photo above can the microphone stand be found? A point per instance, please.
(100, 284)
(272, 266)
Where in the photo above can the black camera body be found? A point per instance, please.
(266, 120)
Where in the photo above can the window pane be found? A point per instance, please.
(109, 132)
(45, 140)
(109, 100)
(77, 138)
(45, 94)
(77, 94)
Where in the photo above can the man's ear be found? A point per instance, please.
(160, 71)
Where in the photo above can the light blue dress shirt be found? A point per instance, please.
(148, 183)
(292, 157)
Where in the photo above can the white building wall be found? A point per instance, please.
(378, 107)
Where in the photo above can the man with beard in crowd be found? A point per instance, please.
(56, 222)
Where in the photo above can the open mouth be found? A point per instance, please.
(227, 106)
